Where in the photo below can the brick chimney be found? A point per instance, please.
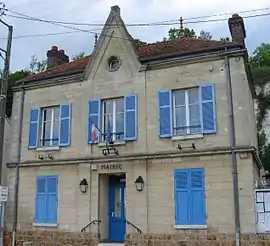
(56, 57)
(237, 29)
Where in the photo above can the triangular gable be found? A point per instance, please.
(114, 22)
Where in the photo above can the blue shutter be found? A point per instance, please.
(40, 206)
(181, 193)
(93, 118)
(130, 122)
(33, 128)
(51, 200)
(165, 113)
(65, 122)
(208, 111)
(197, 197)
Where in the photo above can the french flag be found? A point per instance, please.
(94, 133)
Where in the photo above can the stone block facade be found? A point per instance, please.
(195, 239)
(51, 238)
(152, 210)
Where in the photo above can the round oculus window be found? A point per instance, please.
(113, 63)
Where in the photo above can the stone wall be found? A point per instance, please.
(194, 238)
(51, 238)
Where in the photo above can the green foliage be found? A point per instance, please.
(225, 39)
(205, 35)
(78, 56)
(139, 42)
(260, 68)
(37, 66)
(264, 150)
(175, 33)
(13, 78)
(261, 56)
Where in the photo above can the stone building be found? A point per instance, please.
(134, 143)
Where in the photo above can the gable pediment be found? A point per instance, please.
(114, 42)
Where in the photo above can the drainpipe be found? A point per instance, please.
(232, 145)
(17, 173)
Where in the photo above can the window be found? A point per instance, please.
(49, 127)
(189, 197)
(113, 119)
(113, 63)
(187, 112)
(46, 200)
(117, 116)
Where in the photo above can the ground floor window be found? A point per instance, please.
(46, 200)
(189, 196)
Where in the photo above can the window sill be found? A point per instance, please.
(190, 227)
(44, 225)
(117, 143)
(194, 136)
(55, 148)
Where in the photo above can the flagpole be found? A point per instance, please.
(97, 127)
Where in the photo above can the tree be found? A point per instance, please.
(175, 33)
(12, 79)
(205, 35)
(225, 39)
(78, 56)
(261, 56)
(260, 68)
(37, 66)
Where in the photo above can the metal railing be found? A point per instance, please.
(135, 227)
(93, 222)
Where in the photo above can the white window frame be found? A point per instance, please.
(113, 127)
(41, 139)
(187, 107)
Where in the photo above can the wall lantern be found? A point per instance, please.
(83, 185)
(139, 183)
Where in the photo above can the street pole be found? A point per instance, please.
(3, 95)
(3, 100)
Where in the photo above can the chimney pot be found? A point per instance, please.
(237, 29)
(56, 57)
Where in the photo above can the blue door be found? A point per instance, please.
(117, 224)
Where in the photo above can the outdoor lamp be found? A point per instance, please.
(83, 185)
(139, 183)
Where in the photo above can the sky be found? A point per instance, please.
(132, 11)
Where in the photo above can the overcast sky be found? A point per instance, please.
(132, 11)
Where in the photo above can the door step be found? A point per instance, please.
(111, 244)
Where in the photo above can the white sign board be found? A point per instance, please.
(3, 194)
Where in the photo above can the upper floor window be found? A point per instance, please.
(116, 118)
(49, 127)
(113, 119)
(49, 132)
(187, 112)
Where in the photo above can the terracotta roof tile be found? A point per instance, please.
(181, 45)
